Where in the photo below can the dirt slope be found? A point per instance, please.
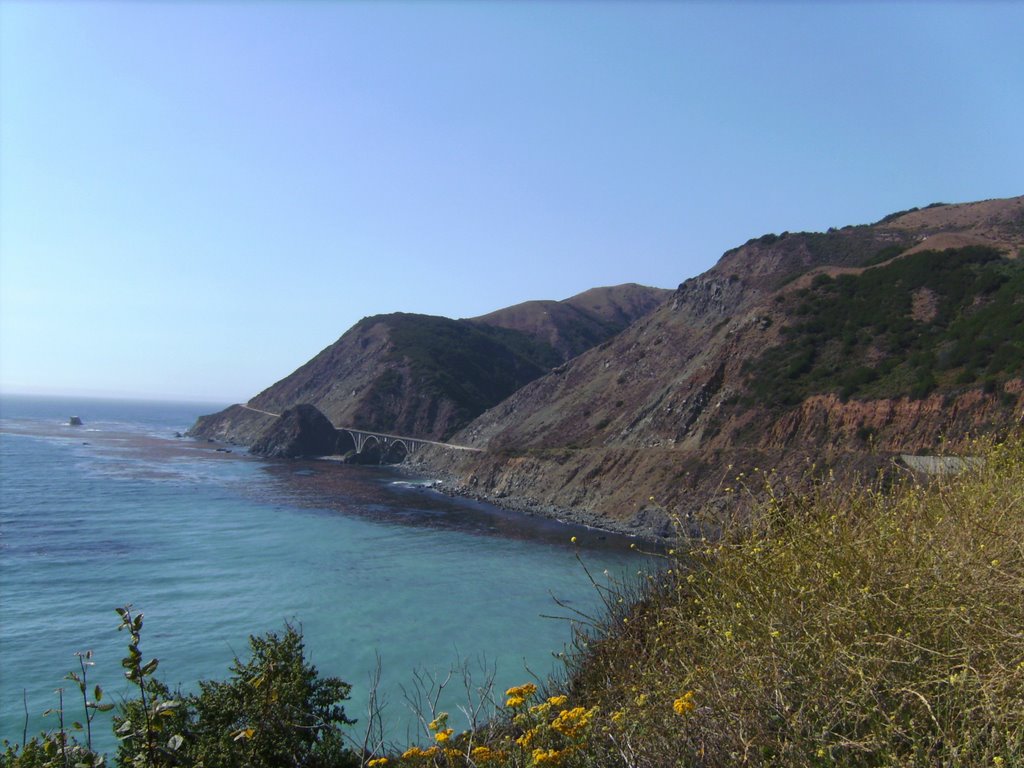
(665, 407)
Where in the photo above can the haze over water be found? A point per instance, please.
(216, 546)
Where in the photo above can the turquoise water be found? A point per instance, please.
(215, 546)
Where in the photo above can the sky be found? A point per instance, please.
(197, 197)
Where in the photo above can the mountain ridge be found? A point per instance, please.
(426, 376)
(574, 325)
(795, 351)
(659, 411)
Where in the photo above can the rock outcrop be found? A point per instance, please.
(302, 431)
(236, 424)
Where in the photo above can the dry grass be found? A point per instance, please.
(851, 627)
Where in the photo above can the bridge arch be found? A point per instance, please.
(371, 449)
(396, 452)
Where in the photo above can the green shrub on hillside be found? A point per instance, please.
(906, 328)
(850, 247)
(472, 364)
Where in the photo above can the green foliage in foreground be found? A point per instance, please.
(273, 711)
(850, 627)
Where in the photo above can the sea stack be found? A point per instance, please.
(75, 421)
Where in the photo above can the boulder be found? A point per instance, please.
(299, 431)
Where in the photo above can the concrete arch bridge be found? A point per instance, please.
(373, 447)
(380, 447)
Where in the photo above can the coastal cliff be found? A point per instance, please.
(425, 376)
(635, 409)
(842, 350)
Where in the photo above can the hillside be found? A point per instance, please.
(576, 324)
(427, 376)
(843, 348)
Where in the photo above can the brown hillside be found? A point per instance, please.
(426, 376)
(659, 409)
(991, 222)
(574, 325)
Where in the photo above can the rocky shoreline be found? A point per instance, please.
(800, 355)
(291, 441)
(449, 484)
(304, 432)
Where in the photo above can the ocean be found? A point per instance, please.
(214, 546)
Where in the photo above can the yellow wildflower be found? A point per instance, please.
(485, 754)
(527, 738)
(546, 757)
(438, 722)
(443, 736)
(570, 722)
(684, 704)
(414, 752)
(618, 716)
(517, 695)
(526, 690)
(377, 761)
(558, 701)
(540, 709)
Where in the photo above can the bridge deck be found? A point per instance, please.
(360, 436)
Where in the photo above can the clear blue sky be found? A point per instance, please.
(196, 197)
